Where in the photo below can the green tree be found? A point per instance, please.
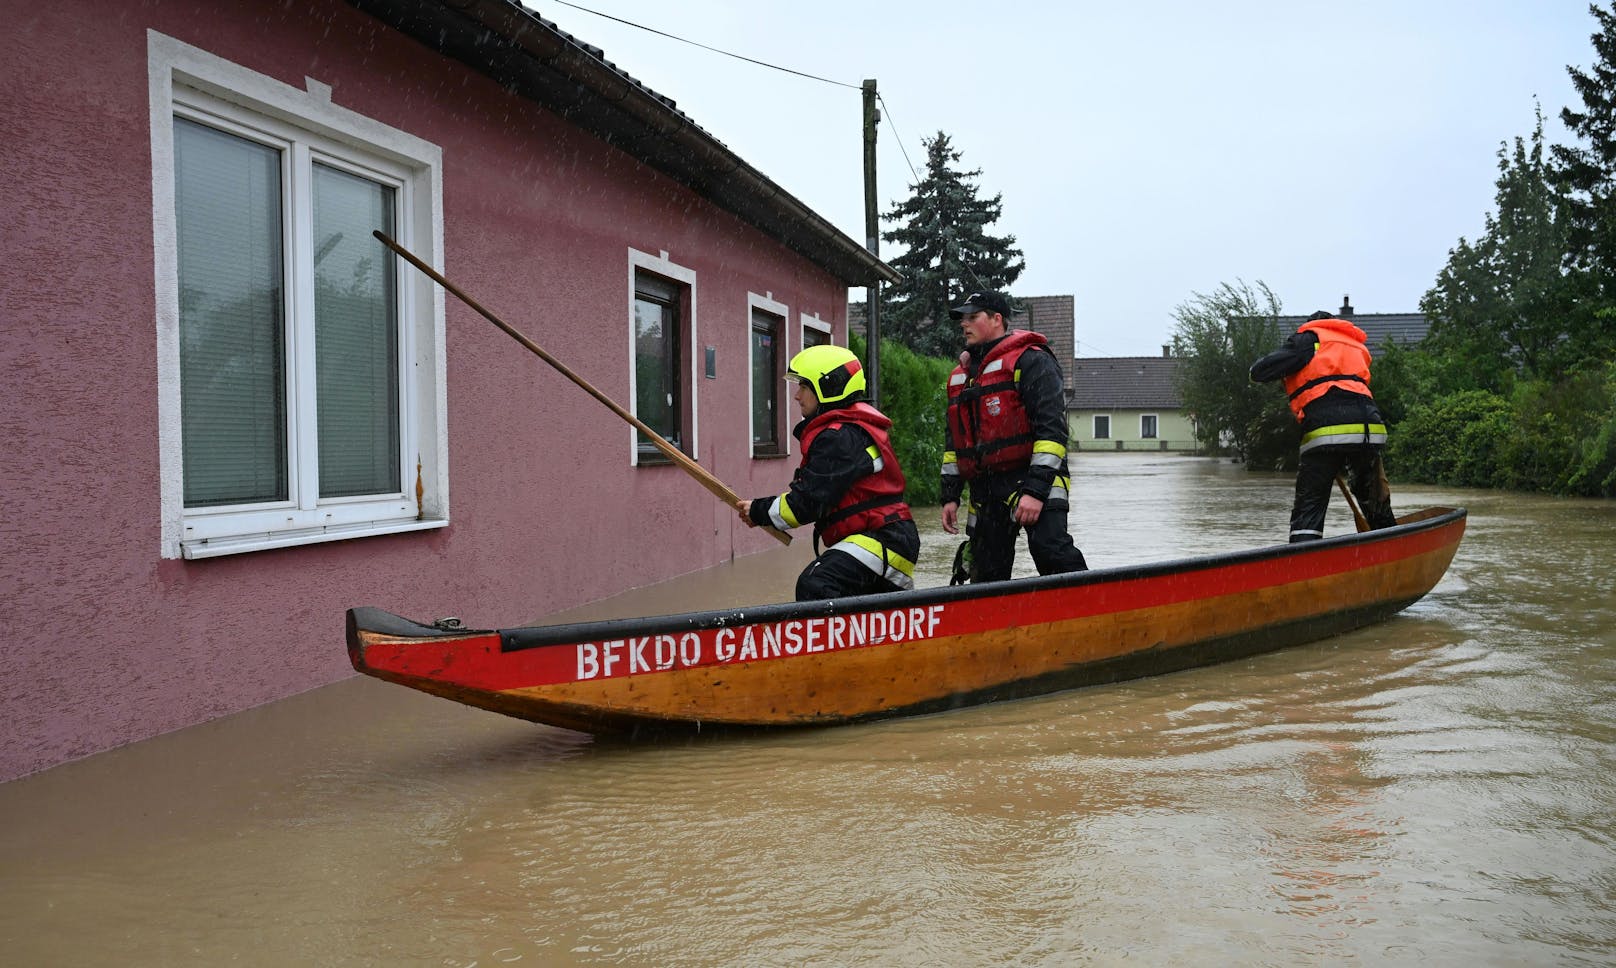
(947, 252)
(1586, 172)
(1218, 336)
(1506, 306)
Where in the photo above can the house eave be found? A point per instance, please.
(536, 60)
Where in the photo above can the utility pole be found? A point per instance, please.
(872, 242)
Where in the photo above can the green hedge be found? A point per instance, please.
(914, 394)
(1554, 436)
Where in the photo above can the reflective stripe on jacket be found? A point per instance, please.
(987, 419)
(1340, 361)
(880, 559)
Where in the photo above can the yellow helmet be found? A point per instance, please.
(833, 371)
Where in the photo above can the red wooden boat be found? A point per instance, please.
(854, 659)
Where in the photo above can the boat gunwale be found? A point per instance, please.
(529, 637)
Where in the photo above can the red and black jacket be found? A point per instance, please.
(849, 481)
(995, 417)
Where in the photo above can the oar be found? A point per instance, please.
(1352, 502)
(705, 479)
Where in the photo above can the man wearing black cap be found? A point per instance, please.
(1006, 436)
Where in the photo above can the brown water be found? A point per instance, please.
(1437, 789)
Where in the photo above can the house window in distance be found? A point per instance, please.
(1147, 426)
(1102, 426)
(767, 380)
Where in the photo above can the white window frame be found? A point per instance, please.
(782, 429)
(818, 325)
(1154, 417)
(1094, 426)
(189, 82)
(661, 265)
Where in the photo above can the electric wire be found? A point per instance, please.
(913, 171)
(716, 50)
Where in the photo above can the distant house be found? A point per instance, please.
(1051, 315)
(1127, 403)
(232, 413)
(1381, 329)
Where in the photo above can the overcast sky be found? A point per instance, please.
(1146, 151)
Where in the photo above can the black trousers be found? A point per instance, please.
(1315, 479)
(993, 539)
(837, 574)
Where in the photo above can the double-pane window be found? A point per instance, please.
(244, 440)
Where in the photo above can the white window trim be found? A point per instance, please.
(768, 304)
(173, 64)
(1154, 417)
(1094, 427)
(815, 323)
(661, 265)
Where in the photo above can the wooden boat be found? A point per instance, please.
(871, 657)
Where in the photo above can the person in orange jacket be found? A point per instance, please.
(1325, 368)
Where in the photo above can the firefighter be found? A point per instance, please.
(849, 485)
(1325, 368)
(1006, 437)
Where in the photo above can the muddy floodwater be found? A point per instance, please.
(1439, 789)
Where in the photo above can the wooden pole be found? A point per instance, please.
(1352, 502)
(695, 470)
(872, 242)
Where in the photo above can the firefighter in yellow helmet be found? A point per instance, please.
(849, 485)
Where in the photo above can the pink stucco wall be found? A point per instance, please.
(103, 642)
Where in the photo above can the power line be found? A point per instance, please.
(684, 40)
(813, 77)
(896, 137)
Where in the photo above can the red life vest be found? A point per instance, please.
(1341, 360)
(986, 417)
(874, 499)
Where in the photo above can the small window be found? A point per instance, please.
(815, 332)
(1102, 426)
(661, 342)
(768, 372)
(1147, 426)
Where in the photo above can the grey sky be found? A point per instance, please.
(1145, 150)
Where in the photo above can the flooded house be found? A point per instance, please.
(232, 413)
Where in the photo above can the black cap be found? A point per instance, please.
(986, 301)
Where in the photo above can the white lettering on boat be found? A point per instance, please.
(615, 658)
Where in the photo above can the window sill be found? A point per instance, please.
(217, 547)
(769, 455)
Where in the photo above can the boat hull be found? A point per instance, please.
(856, 659)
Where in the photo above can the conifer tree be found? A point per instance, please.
(1505, 305)
(948, 253)
(1587, 172)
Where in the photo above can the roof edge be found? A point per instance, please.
(554, 69)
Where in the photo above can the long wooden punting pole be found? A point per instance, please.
(705, 479)
(1352, 502)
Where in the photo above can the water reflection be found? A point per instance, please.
(1436, 788)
